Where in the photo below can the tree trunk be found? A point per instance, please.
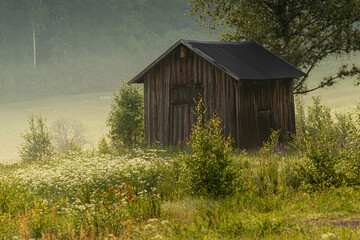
(34, 46)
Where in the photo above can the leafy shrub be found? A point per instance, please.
(344, 126)
(126, 119)
(300, 117)
(330, 148)
(319, 121)
(208, 168)
(37, 144)
(355, 132)
(320, 168)
(103, 146)
(350, 153)
(13, 197)
(350, 163)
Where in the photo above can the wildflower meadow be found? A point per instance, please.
(306, 187)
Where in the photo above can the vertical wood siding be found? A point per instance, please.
(248, 108)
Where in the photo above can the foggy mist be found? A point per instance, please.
(64, 58)
(78, 46)
(70, 47)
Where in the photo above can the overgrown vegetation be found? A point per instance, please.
(126, 120)
(331, 148)
(306, 189)
(36, 144)
(208, 168)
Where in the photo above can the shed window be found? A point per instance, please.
(184, 94)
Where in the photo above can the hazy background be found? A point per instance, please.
(86, 49)
(84, 45)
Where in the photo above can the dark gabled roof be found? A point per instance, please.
(241, 60)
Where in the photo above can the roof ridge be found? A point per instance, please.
(208, 50)
(240, 43)
(219, 43)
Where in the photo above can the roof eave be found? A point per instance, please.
(229, 72)
(138, 77)
(302, 73)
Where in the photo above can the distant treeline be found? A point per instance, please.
(83, 45)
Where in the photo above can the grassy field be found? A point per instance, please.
(138, 195)
(303, 189)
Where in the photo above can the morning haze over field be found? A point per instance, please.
(63, 59)
(84, 51)
(210, 145)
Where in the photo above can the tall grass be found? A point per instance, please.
(301, 190)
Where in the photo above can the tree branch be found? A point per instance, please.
(329, 81)
(300, 83)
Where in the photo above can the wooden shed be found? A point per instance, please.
(250, 88)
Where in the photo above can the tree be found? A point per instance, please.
(126, 119)
(37, 144)
(38, 13)
(68, 135)
(304, 32)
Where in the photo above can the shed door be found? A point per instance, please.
(182, 99)
(265, 123)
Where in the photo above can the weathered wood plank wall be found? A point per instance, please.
(248, 108)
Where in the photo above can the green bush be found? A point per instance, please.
(37, 144)
(343, 127)
(13, 197)
(126, 119)
(330, 148)
(103, 146)
(320, 168)
(350, 152)
(355, 132)
(209, 168)
(350, 163)
(315, 121)
(319, 121)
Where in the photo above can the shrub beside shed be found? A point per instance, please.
(250, 88)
